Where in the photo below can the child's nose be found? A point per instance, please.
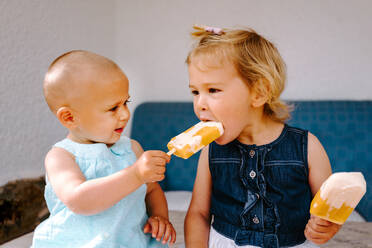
(201, 103)
(124, 113)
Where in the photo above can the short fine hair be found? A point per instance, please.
(68, 68)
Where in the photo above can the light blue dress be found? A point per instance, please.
(119, 226)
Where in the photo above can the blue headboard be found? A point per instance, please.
(343, 127)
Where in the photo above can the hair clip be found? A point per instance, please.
(209, 29)
(213, 30)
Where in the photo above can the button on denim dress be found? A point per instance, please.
(117, 227)
(261, 194)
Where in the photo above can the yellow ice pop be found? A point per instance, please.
(195, 138)
(338, 196)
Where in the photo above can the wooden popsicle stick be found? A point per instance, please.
(171, 151)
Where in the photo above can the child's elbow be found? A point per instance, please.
(78, 206)
(81, 210)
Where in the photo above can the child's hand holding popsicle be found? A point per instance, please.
(332, 205)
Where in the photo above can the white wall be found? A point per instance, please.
(32, 34)
(326, 45)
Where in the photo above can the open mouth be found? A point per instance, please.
(119, 130)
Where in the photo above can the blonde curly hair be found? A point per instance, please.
(256, 59)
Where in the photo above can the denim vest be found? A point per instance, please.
(261, 194)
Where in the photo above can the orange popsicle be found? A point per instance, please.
(338, 196)
(195, 138)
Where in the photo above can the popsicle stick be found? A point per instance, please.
(171, 151)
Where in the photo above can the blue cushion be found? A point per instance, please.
(343, 127)
(154, 124)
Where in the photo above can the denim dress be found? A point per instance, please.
(261, 194)
(120, 226)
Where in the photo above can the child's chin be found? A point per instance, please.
(112, 141)
(221, 141)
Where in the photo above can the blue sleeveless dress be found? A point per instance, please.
(119, 226)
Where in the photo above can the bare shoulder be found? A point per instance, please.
(63, 173)
(136, 147)
(62, 169)
(57, 156)
(316, 151)
(314, 143)
(318, 161)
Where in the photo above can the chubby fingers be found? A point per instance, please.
(158, 234)
(314, 236)
(319, 221)
(161, 156)
(147, 228)
(323, 225)
(161, 228)
(160, 160)
(152, 226)
(150, 166)
(169, 233)
(319, 230)
(160, 169)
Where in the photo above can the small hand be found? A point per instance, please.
(150, 166)
(320, 231)
(160, 228)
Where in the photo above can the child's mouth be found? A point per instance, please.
(119, 130)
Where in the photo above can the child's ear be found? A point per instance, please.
(260, 93)
(66, 117)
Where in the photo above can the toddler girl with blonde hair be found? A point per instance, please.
(254, 184)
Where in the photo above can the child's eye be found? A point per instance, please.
(113, 109)
(126, 102)
(195, 92)
(213, 90)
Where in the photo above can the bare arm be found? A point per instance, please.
(319, 166)
(89, 197)
(197, 221)
(156, 203)
(318, 230)
(158, 224)
(157, 208)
